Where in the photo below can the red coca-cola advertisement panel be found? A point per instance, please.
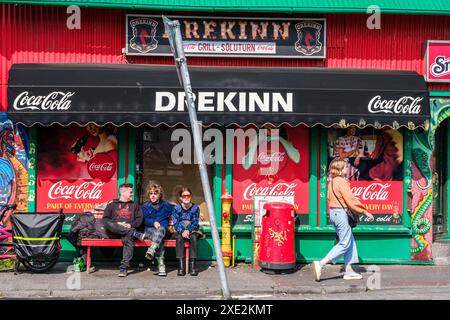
(374, 161)
(275, 163)
(438, 61)
(77, 167)
(380, 198)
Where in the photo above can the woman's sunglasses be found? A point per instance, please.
(185, 196)
(153, 193)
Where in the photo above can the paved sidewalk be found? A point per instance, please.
(243, 281)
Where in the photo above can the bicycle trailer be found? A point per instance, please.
(36, 238)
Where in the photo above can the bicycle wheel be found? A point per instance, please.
(39, 265)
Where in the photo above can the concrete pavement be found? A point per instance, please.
(244, 282)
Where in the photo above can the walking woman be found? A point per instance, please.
(339, 219)
(185, 219)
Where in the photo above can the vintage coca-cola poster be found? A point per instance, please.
(274, 163)
(374, 168)
(77, 167)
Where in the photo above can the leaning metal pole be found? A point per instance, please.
(176, 43)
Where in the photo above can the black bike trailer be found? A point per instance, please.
(36, 238)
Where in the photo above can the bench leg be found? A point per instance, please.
(187, 258)
(88, 258)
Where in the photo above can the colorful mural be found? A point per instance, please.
(422, 190)
(13, 164)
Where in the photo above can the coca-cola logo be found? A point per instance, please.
(374, 191)
(279, 189)
(87, 190)
(101, 166)
(265, 158)
(440, 67)
(404, 105)
(56, 100)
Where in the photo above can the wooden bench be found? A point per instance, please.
(117, 243)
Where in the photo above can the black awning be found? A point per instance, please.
(149, 94)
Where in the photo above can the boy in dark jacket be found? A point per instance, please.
(156, 220)
(122, 217)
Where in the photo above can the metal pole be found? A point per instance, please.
(181, 63)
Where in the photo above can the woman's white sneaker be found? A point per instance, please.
(352, 276)
(317, 270)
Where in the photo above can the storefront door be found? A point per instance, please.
(440, 183)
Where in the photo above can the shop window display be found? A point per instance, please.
(76, 168)
(261, 171)
(155, 162)
(375, 169)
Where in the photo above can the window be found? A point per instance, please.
(157, 161)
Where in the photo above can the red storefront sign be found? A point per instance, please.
(438, 61)
(73, 196)
(384, 197)
(281, 172)
(77, 168)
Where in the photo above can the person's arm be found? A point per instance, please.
(149, 217)
(165, 213)
(344, 155)
(138, 217)
(176, 220)
(350, 200)
(293, 153)
(108, 214)
(193, 226)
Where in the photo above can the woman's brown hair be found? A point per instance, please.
(183, 189)
(336, 167)
(156, 187)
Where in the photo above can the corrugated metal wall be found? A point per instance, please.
(38, 34)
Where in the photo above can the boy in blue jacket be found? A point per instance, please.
(156, 221)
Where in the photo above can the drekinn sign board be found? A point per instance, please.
(229, 37)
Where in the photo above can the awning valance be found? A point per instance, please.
(149, 94)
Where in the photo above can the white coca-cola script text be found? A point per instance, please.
(107, 166)
(56, 100)
(404, 105)
(279, 189)
(86, 190)
(374, 191)
(273, 157)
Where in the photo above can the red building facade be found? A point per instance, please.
(39, 34)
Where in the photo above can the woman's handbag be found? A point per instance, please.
(353, 218)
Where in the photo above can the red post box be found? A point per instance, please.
(277, 251)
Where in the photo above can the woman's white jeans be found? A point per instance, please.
(347, 244)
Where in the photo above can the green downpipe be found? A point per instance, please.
(323, 175)
(32, 161)
(407, 175)
(313, 179)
